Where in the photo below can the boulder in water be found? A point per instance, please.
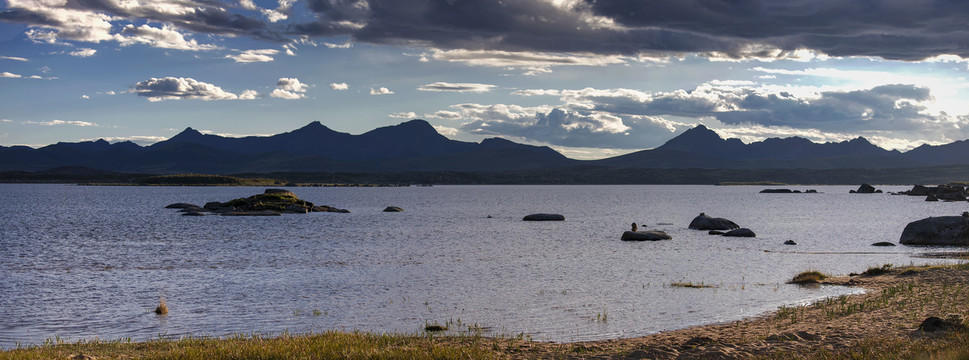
(544, 217)
(645, 235)
(938, 230)
(741, 232)
(705, 222)
(883, 243)
(393, 209)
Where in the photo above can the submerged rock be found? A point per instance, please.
(777, 191)
(716, 232)
(544, 217)
(393, 209)
(741, 232)
(645, 235)
(705, 222)
(883, 243)
(790, 242)
(940, 230)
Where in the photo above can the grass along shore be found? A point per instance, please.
(883, 323)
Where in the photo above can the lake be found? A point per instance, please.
(82, 262)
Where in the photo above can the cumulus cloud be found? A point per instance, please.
(404, 115)
(456, 87)
(446, 131)
(289, 89)
(166, 37)
(339, 86)
(178, 88)
(6, 74)
(248, 56)
(892, 115)
(83, 52)
(61, 122)
(380, 91)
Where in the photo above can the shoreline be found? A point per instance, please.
(880, 323)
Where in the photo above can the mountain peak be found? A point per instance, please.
(699, 138)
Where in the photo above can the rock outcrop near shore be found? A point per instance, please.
(270, 203)
(706, 222)
(544, 217)
(949, 192)
(941, 230)
(865, 189)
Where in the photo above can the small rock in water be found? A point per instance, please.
(741, 232)
(393, 209)
(790, 242)
(544, 217)
(645, 236)
(883, 243)
(716, 232)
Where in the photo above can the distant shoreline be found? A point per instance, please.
(884, 321)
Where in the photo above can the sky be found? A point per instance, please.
(589, 78)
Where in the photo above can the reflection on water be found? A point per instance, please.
(84, 262)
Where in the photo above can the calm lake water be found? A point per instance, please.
(81, 262)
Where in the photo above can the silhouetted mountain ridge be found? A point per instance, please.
(416, 146)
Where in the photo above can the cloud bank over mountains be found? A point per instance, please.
(521, 40)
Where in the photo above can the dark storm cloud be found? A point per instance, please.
(905, 30)
(891, 29)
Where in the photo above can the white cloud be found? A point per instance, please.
(289, 89)
(456, 87)
(404, 115)
(172, 88)
(166, 37)
(446, 131)
(444, 114)
(288, 95)
(248, 95)
(85, 96)
(345, 45)
(380, 91)
(258, 55)
(9, 75)
(339, 86)
(532, 62)
(83, 52)
(537, 92)
(16, 58)
(61, 122)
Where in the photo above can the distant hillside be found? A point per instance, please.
(415, 146)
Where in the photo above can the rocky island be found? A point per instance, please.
(272, 202)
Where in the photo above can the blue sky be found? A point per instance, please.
(588, 78)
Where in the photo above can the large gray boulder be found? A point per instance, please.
(705, 222)
(940, 230)
(544, 217)
(645, 235)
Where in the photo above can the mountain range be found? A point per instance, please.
(416, 146)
